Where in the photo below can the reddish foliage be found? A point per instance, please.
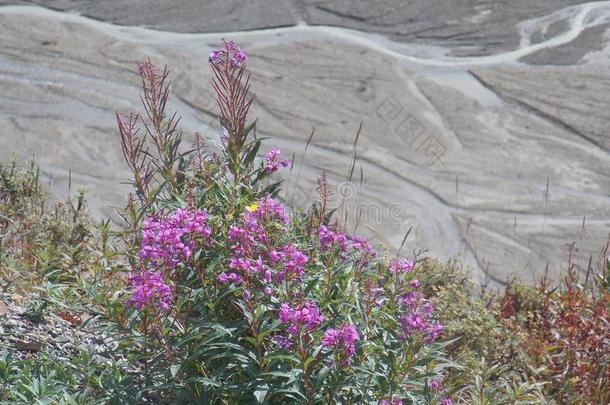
(231, 82)
(568, 332)
(71, 318)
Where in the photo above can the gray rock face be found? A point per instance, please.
(485, 157)
(590, 40)
(469, 27)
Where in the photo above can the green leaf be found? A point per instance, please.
(174, 368)
(206, 381)
(260, 393)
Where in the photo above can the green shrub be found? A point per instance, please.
(55, 262)
(236, 300)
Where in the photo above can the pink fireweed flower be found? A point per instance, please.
(258, 266)
(447, 401)
(253, 258)
(285, 313)
(293, 263)
(400, 266)
(272, 155)
(245, 268)
(269, 209)
(434, 331)
(166, 241)
(149, 290)
(343, 339)
(435, 384)
(306, 316)
(239, 57)
(223, 278)
(303, 318)
(410, 300)
(239, 264)
(362, 245)
(418, 317)
(274, 257)
(327, 238)
(282, 341)
(231, 54)
(214, 55)
(244, 238)
(414, 283)
(272, 162)
(191, 221)
(332, 337)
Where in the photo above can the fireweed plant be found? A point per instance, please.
(235, 298)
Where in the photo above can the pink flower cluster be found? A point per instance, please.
(435, 384)
(235, 56)
(362, 245)
(168, 241)
(305, 317)
(343, 338)
(149, 290)
(253, 256)
(272, 162)
(269, 209)
(293, 263)
(400, 266)
(418, 317)
(328, 238)
(244, 238)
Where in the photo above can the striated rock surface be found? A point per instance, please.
(471, 27)
(487, 157)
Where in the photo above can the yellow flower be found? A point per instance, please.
(252, 207)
